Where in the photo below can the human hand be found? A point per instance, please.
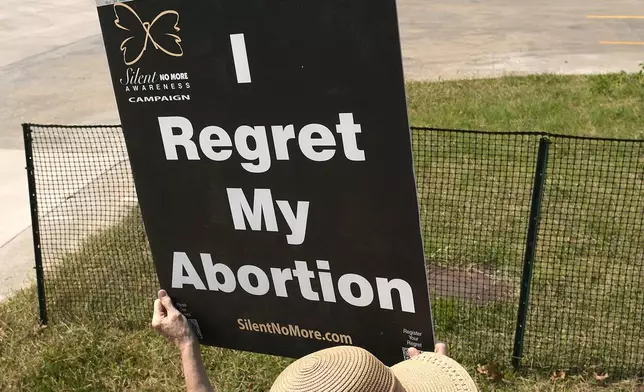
(439, 348)
(170, 323)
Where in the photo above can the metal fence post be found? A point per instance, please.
(530, 248)
(33, 202)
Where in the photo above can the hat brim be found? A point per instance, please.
(430, 372)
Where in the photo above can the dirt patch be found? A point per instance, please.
(473, 285)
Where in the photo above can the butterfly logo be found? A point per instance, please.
(161, 32)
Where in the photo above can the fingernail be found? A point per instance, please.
(162, 293)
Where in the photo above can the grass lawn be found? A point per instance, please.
(88, 353)
(609, 105)
(587, 305)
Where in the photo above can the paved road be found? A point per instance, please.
(482, 38)
(53, 69)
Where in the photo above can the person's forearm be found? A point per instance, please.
(193, 368)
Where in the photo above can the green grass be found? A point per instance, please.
(588, 282)
(88, 355)
(106, 342)
(588, 290)
(91, 356)
(610, 105)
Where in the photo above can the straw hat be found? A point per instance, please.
(353, 369)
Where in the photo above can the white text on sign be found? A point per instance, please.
(315, 141)
(263, 210)
(354, 289)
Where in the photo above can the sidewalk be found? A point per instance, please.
(52, 70)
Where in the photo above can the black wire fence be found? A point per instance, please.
(534, 242)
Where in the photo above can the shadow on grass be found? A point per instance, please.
(111, 275)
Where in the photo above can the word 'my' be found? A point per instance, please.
(263, 210)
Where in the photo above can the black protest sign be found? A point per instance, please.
(271, 152)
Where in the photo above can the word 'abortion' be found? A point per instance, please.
(315, 141)
(354, 289)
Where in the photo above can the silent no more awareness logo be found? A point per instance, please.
(142, 33)
(150, 86)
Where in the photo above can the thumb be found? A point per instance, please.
(165, 299)
(441, 348)
(159, 313)
(159, 309)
